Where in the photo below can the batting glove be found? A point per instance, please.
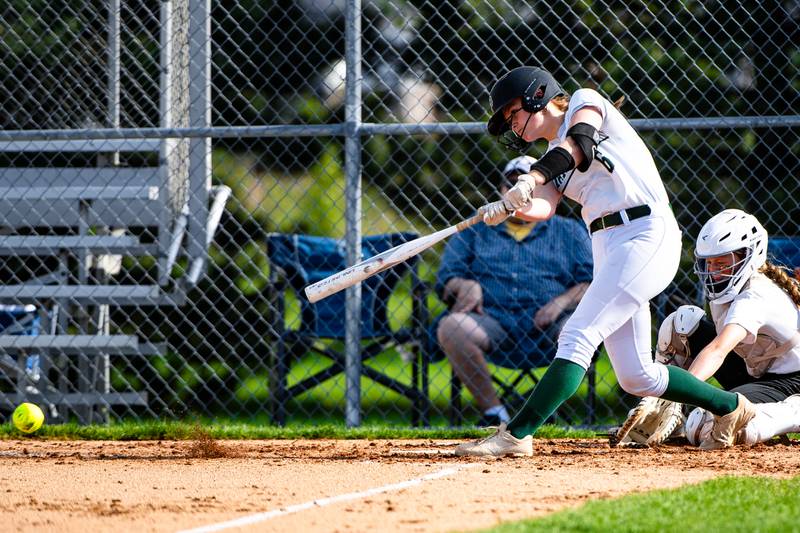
(496, 212)
(521, 193)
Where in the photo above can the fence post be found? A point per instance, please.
(199, 117)
(352, 169)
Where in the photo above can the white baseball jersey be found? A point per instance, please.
(770, 318)
(634, 179)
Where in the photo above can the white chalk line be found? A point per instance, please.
(322, 502)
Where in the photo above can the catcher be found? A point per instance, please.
(752, 347)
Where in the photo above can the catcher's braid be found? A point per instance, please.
(779, 276)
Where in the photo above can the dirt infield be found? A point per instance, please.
(171, 486)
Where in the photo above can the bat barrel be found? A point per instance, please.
(328, 286)
(369, 267)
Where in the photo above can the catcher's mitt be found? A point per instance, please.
(650, 423)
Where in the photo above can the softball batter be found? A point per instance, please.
(596, 158)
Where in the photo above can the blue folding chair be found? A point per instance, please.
(785, 251)
(20, 320)
(534, 357)
(298, 260)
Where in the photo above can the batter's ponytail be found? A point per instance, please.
(561, 102)
(780, 278)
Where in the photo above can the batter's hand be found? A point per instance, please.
(468, 297)
(496, 212)
(521, 193)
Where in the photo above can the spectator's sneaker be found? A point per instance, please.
(500, 444)
(726, 427)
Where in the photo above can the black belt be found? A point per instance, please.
(615, 219)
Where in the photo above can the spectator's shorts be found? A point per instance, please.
(511, 347)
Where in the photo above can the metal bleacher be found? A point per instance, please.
(66, 227)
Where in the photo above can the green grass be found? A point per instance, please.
(747, 504)
(158, 430)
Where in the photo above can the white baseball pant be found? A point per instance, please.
(632, 264)
(772, 419)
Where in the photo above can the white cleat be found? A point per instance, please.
(500, 444)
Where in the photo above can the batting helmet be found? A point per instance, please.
(534, 85)
(730, 231)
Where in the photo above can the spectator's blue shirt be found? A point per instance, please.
(518, 278)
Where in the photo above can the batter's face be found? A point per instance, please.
(529, 126)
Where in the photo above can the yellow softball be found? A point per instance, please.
(28, 417)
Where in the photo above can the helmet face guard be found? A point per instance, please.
(509, 139)
(719, 281)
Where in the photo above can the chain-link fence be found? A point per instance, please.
(330, 119)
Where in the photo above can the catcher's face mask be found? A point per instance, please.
(719, 272)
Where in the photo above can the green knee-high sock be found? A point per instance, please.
(685, 388)
(559, 382)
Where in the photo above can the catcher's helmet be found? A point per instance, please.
(534, 85)
(698, 426)
(730, 231)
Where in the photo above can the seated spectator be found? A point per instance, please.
(509, 289)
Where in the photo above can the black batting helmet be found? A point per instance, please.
(534, 85)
